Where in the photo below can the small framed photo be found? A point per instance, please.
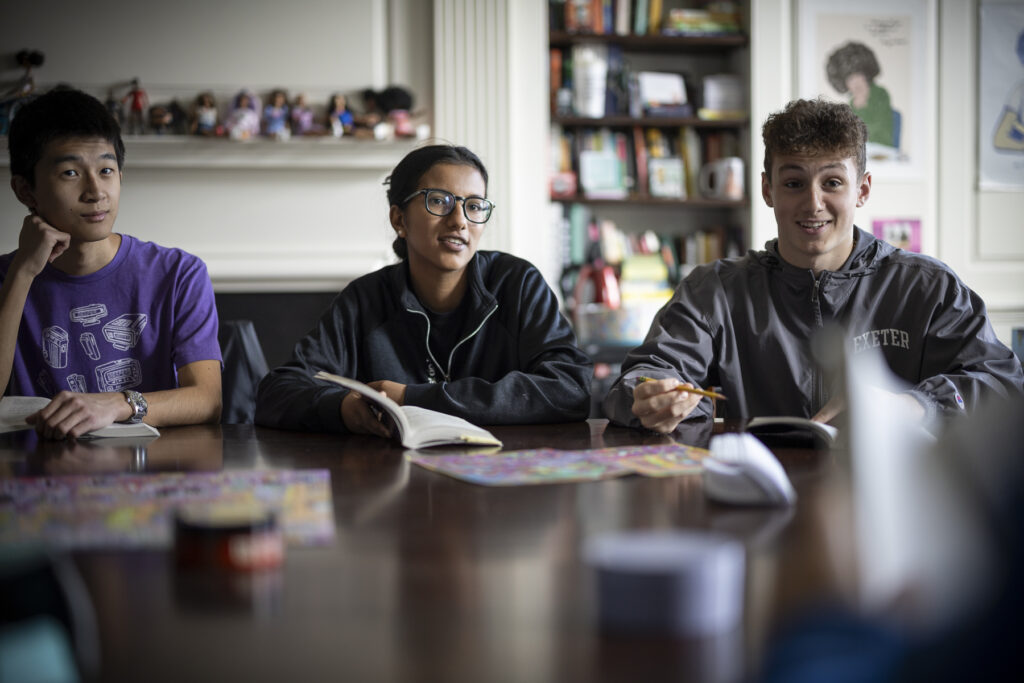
(665, 176)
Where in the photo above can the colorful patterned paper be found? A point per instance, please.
(137, 510)
(551, 466)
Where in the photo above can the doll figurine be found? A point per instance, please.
(114, 107)
(243, 123)
(387, 112)
(339, 117)
(302, 118)
(161, 119)
(204, 116)
(138, 104)
(275, 116)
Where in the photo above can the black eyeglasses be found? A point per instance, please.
(442, 203)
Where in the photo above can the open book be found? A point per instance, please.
(418, 427)
(792, 431)
(14, 410)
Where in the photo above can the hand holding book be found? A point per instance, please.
(417, 427)
(363, 415)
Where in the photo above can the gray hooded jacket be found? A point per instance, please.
(746, 325)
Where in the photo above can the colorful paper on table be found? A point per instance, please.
(552, 466)
(137, 510)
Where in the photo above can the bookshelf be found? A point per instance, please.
(680, 221)
(685, 52)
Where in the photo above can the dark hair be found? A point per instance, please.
(30, 58)
(404, 179)
(58, 115)
(851, 58)
(816, 127)
(331, 101)
(387, 100)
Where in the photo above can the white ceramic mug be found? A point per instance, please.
(722, 179)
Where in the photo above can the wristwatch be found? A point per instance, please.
(139, 406)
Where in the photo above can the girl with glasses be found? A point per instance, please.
(477, 334)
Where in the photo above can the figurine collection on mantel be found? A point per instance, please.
(386, 114)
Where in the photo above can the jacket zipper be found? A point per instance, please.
(819, 388)
(446, 373)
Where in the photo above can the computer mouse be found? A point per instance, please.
(742, 471)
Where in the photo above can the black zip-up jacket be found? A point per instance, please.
(516, 361)
(746, 325)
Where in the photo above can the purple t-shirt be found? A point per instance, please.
(129, 325)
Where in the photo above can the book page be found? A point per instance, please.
(14, 410)
(431, 427)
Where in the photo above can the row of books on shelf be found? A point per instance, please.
(589, 239)
(645, 17)
(608, 163)
(594, 80)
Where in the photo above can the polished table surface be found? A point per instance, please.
(428, 578)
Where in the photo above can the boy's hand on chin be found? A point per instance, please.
(39, 243)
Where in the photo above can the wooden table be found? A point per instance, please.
(429, 578)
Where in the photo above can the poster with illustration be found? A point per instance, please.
(1001, 102)
(879, 58)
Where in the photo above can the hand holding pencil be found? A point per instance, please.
(690, 389)
(661, 404)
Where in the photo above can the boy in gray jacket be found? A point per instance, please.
(746, 324)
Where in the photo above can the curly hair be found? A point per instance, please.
(852, 58)
(818, 127)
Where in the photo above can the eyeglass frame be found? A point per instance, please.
(456, 198)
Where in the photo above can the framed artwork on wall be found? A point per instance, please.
(1001, 97)
(879, 56)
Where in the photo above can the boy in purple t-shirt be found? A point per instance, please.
(112, 328)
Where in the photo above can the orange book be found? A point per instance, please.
(597, 16)
(555, 60)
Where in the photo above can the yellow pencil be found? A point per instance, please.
(699, 392)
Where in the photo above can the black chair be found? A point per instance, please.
(244, 367)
